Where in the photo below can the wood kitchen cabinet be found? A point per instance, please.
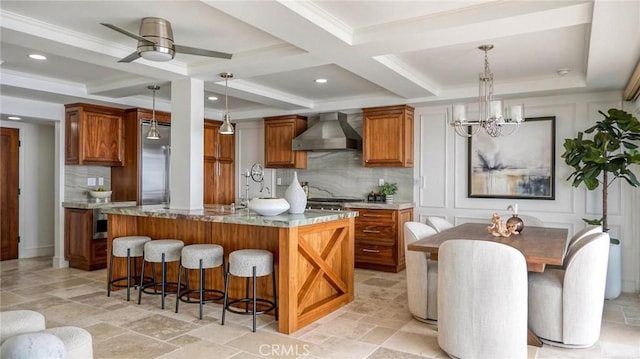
(379, 238)
(125, 180)
(219, 165)
(80, 249)
(94, 135)
(279, 132)
(387, 136)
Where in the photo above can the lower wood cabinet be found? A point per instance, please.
(80, 249)
(379, 238)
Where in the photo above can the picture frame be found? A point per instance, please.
(518, 166)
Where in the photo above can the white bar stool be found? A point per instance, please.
(160, 251)
(250, 263)
(200, 257)
(126, 247)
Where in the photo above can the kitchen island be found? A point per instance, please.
(313, 252)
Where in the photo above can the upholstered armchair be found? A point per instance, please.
(438, 224)
(565, 305)
(422, 275)
(482, 300)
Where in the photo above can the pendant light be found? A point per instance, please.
(153, 133)
(227, 127)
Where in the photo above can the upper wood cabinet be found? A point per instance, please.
(94, 135)
(125, 180)
(279, 132)
(387, 136)
(219, 166)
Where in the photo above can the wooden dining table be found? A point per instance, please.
(539, 245)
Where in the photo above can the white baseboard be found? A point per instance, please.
(36, 252)
(60, 262)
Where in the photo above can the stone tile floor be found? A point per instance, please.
(376, 325)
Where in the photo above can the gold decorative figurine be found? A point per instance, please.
(499, 228)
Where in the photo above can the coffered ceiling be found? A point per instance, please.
(372, 53)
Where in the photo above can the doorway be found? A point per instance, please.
(9, 192)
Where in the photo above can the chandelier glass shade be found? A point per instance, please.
(227, 127)
(153, 133)
(493, 117)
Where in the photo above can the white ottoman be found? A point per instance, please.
(16, 322)
(33, 345)
(77, 341)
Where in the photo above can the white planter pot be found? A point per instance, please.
(614, 272)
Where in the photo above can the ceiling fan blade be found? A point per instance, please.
(201, 52)
(127, 33)
(130, 57)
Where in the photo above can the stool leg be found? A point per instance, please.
(254, 299)
(153, 273)
(128, 274)
(178, 290)
(225, 301)
(164, 280)
(141, 281)
(275, 291)
(246, 295)
(201, 287)
(110, 274)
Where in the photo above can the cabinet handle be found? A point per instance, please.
(369, 231)
(370, 250)
(371, 215)
(218, 169)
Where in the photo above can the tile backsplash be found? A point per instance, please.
(340, 173)
(75, 181)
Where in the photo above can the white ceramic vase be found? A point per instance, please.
(268, 206)
(296, 196)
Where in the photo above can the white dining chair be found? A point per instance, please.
(531, 221)
(438, 224)
(565, 305)
(482, 300)
(422, 275)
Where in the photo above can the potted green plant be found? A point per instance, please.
(388, 190)
(598, 162)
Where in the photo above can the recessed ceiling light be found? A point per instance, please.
(16, 118)
(212, 98)
(321, 81)
(37, 57)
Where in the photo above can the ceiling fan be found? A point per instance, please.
(155, 42)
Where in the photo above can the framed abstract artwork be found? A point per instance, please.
(521, 165)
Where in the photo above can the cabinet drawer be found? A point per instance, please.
(375, 215)
(380, 233)
(99, 250)
(375, 254)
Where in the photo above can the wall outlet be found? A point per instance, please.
(91, 181)
(279, 181)
(380, 181)
(100, 181)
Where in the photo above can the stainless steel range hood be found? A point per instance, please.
(330, 133)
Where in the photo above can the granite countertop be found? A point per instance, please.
(379, 205)
(222, 214)
(91, 204)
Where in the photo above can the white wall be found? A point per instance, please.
(441, 163)
(36, 171)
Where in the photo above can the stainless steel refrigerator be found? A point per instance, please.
(154, 165)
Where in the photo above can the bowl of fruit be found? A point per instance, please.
(100, 192)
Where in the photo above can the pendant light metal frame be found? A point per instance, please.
(153, 133)
(490, 116)
(227, 127)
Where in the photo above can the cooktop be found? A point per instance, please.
(340, 200)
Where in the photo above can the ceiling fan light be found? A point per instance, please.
(156, 53)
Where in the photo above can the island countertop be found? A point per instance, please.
(222, 214)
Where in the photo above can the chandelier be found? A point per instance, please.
(227, 127)
(490, 115)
